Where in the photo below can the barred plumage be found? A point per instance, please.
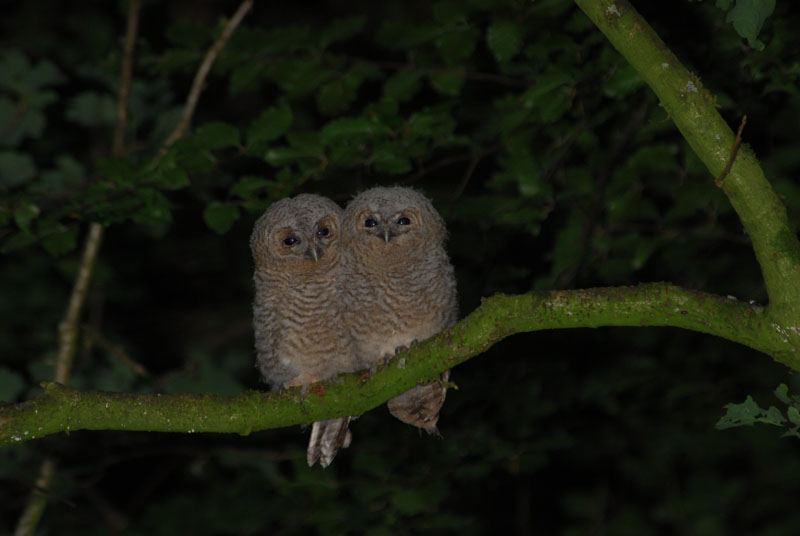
(397, 286)
(298, 333)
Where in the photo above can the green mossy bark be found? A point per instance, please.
(62, 409)
(693, 109)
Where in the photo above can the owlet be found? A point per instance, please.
(398, 286)
(298, 332)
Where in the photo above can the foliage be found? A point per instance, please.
(748, 413)
(554, 166)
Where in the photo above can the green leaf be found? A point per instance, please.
(154, 207)
(24, 214)
(28, 122)
(772, 416)
(220, 216)
(17, 241)
(280, 156)
(68, 174)
(248, 186)
(119, 170)
(456, 46)
(724, 4)
(217, 135)
(390, 163)
(19, 76)
(396, 34)
(15, 169)
(342, 29)
(11, 385)
(92, 109)
(337, 95)
(347, 128)
(782, 394)
(744, 414)
(623, 82)
(271, 124)
(437, 123)
(748, 18)
(504, 38)
(548, 97)
(447, 83)
(61, 242)
(298, 77)
(402, 86)
(794, 415)
(245, 78)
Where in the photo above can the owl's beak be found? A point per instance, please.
(313, 252)
(387, 234)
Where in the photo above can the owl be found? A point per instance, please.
(298, 333)
(397, 286)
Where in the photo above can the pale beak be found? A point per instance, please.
(386, 235)
(313, 252)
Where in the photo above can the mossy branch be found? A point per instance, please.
(693, 108)
(61, 409)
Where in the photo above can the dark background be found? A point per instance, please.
(554, 168)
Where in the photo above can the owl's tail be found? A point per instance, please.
(420, 405)
(327, 437)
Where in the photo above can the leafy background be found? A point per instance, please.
(554, 167)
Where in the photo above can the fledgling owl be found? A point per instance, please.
(298, 332)
(397, 286)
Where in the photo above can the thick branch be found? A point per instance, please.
(657, 304)
(693, 109)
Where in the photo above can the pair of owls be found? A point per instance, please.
(339, 291)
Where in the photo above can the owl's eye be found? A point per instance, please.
(291, 241)
(323, 232)
(403, 221)
(369, 222)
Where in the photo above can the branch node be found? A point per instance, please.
(734, 150)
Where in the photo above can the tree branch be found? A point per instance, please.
(693, 109)
(202, 73)
(655, 304)
(69, 326)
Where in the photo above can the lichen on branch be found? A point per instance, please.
(62, 409)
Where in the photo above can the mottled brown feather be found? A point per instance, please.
(298, 334)
(397, 286)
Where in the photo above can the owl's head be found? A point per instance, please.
(302, 231)
(391, 219)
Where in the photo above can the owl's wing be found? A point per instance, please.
(327, 437)
(420, 405)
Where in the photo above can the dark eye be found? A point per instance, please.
(323, 232)
(403, 221)
(369, 222)
(290, 241)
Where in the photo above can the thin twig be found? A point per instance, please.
(26, 525)
(202, 73)
(734, 150)
(467, 176)
(444, 162)
(116, 350)
(125, 78)
(69, 325)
